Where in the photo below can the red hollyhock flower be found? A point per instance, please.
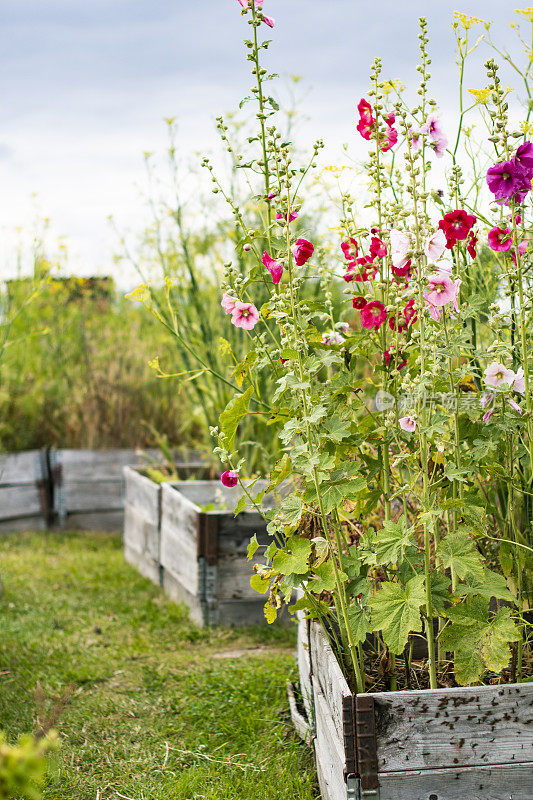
(388, 355)
(391, 133)
(359, 302)
(302, 251)
(500, 239)
(378, 248)
(409, 312)
(399, 322)
(472, 245)
(350, 249)
(373, 315)
(366, 120)
(363, 274)
(456, 226)
(402, 272)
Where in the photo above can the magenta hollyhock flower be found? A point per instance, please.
(389, 354)
(350, 249)
(229, 478)
(366, 120)
(245, 315)
(507, 179)
(500, 239)
(442, 289)
(302, 251)
(273, 266)
(524, 157)
(472, 244)
(228, 303)
(514, 405)
(487, 415)
(378, 248)
(522, 247)
(435, 245)
(363, 273)
(270, 21)
(409, 312)
(283, 217)
(359, 302)
(497, 374)
(456, 226)
(519, 381)
(407, 423)
(373, 315)
(398, 322)
(400, 246)
(391, 132)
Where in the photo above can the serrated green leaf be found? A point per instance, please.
(478, 643)
(282, 470)
(241, 505)
(334, 494)
(458, 553)
(235, 411)
(337, 429)
(290, 511)
(396, 611)
(359, 621)
(252, 547)
(489, 584)
(440, 591)
(391, 541)
(296, 560)
(324, 578)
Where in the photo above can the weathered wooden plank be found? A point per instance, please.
(497, 782)
(329, 751)
(142, 493)
(95, 521)
(240, 612)
(22, 524)
(141, 534)
(233, 579)
(327, 675)
(148, 568)
(234, 533)
(95, 495)
(26, 467)
(179, 556)
(304, 665)
(441, 728)
(301, 724)
(175, 590)
(91, 465)
(19, 501)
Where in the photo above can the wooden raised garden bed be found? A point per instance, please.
(25, 491)
(468, 743)
(203, 553)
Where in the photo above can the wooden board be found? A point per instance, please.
(16, 468)
(148, 569)
(329, 751)
(111, 521)
(179, 525)
(327, 675)
(304, 666)
(176, 592)
(497, 782)
(24, 490)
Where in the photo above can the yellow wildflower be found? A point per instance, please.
(527, 12)
(465, 20)
(480, 95)
(141, 293)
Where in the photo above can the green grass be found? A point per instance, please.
(160, 709)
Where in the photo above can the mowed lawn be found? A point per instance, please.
(159, 708)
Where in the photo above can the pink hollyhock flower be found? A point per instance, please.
(270, 21)
(391, 132)
(472, 245)
(274, 267)
(373, 315)
(524, 157)
(456, 226)
(378, 248)
(500, 239)
(487, 415)
(442, 289)
(486, 399)
(519, 381)
(435, 245)
(407, 423)
(332, 337)
(455, 302)
(409, 312)
(434, 129)
(272, 195)
(228, 303)
(522, 247)
(229, 478)
(283, 217)
(434, 312)
(302, 251)
(245, 315)
(506, 180)
(350, 249)
(366, 120)
(400, 246)
(514, 405)
(496, 374)
(359, 302)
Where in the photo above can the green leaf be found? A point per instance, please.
(296, 560)
(440, 591)
(359, 622)
(281, 471)
(324, 578)
(241, 505)
(337, 429)
(477, 642)
(391, 541)
(396, 612)
(252, 547)
(233, 414)
(259, 584)
(289, 354)
(458, 553)
(290, 511)
(489, 584)
(334, 494)
(270, 613)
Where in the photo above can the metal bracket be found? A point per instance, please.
(355, 792)
(365, 733)
(207, 539)
(207, 548)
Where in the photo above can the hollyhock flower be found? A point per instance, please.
(391, 132)
(272, 195)
(400, 246)
(524, 157)
(270, 21)
(455, 302)
(456, 226)
(486, 399)
(487, 415)
(506, 180)
(472, 245)
(402, 272)
(332, 337)
(439, 140)
(373, 315)
(302, 251)
(500, 239)
(363, 274)
(350, 249)
(519, 381)
(409, 312)
(442, 289)
(514, 405)
(228, 303)
(274, 267)
(397, 322)
(388, 355)
(416, 140)
(283, 360)
(283, 217)
(496, 374)
(522, 247)
(366, 120)
(359, 302)
(245, 315)
(435, 245)
(407, 423)
(378, 248)
(229, 478)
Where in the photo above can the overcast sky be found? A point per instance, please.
(84, 88)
